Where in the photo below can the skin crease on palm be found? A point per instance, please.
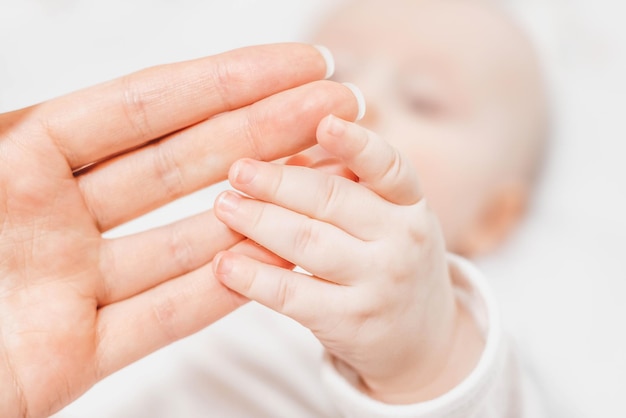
(74, 306)
(455, 85)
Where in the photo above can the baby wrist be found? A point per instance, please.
(445, 352)
(435, 370)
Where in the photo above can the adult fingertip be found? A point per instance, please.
(328, 58)
(360, 99)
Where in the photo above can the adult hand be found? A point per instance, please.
(75, 307)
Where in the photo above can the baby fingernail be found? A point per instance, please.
(335, 126)
(228, 202)
(360, 99)
(244, 172)
(328, 57)
(223, 264)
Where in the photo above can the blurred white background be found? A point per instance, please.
(561, 280)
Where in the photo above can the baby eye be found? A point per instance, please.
(421, 96)
(424, 105)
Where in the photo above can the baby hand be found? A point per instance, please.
(380, 299)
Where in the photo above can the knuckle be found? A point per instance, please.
(134, 104)
(393, 170)
(285, 291)
(307, 236)
(252, 134)
(362, 311)
(415, 233)
(167, 170)
(181, 251)
(278, 183)
(165, 315)
(257, 213)
(394, 262)
(222, 79)
(421, 223)
(330, 197)
(403, 272)
(367, 309)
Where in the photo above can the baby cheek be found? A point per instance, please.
(443, 205)
(449, 187)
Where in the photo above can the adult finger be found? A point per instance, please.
(316, 246)
(132, 184)
(101, 121)
(299, 296)
(318, 195)
(379, 166)
(134, 263)
(133, 328)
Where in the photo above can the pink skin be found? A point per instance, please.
(374, 282)
(70, 299)
(452, 87)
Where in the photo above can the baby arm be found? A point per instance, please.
(380, 298)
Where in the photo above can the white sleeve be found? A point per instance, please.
(494, 389)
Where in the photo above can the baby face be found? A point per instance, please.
(438, 78)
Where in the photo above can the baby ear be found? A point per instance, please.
(500, 215)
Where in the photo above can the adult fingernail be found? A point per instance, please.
(244, 172)
(328, 57)
(360, 99)
(228, 202)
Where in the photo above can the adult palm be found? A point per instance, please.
(74, 306)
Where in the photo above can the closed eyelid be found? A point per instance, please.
(422, 85)
(411, 86)
(423, 96)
